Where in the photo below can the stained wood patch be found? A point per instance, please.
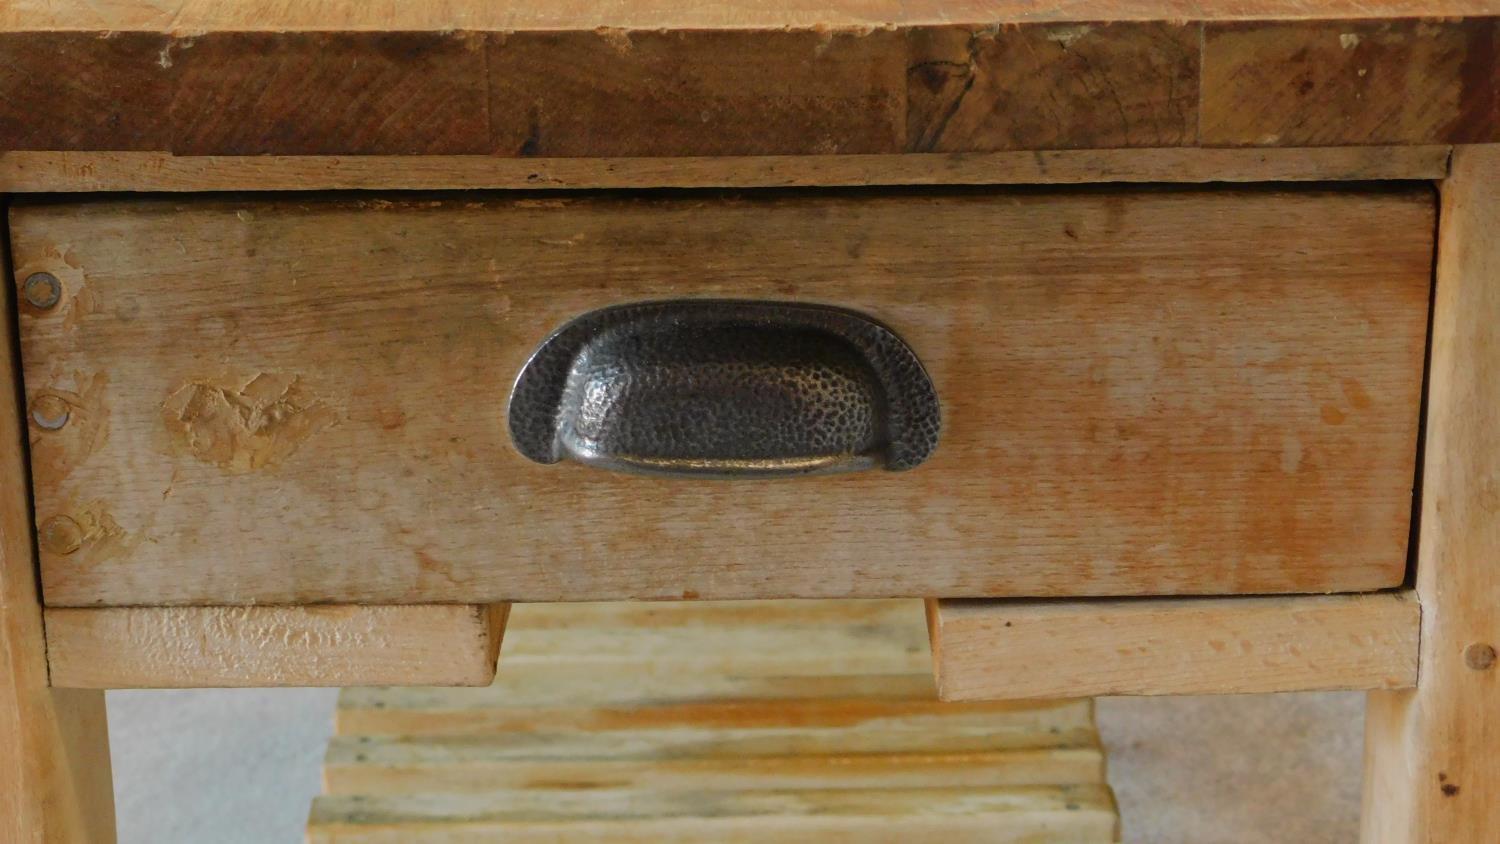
(1143, 393)
(813, 79)
(590, 737)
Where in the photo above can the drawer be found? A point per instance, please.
(1148, 391)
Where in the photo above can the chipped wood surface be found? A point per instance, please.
(589, 738)
(1156, 392)
(55, 785)
(676, 79)
(200, 647)
(986, 650)
(40, 172)
(244, 426)
(1432, 754)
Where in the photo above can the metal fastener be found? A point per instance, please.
(50, 412)
(42, 290)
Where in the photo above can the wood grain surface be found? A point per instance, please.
(670, 78)
(55, 784)
(1169, 391)
(205, 647)
(42, 172)
(987, 650)
(1432, 754)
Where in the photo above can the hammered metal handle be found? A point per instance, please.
(723, 388)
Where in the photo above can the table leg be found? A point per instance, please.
(54, 749)
(1432, 754)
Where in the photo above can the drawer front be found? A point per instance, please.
(1142, 392)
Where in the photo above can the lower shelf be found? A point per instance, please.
(792, 721)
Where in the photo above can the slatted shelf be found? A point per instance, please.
(787, 721)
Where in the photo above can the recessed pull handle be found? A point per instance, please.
(724, 388)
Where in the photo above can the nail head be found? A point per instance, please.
(50, 412)
(42, 290)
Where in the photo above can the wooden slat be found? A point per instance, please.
(1163, 391)
(196, 647)
(676, 78)
(775, 744)
(37, 172)
(390, 766)
(1061, 814)
(54, 744)
(1432, 754)
(713, 701)
(762, 720)
(1017, 649)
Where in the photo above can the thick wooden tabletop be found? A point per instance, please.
(796, 77)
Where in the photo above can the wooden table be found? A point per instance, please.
(1196, 436)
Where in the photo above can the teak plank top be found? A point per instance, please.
(671, 78)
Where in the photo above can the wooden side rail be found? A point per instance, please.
(198, 647)
(1037, 649)
(981, 649)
